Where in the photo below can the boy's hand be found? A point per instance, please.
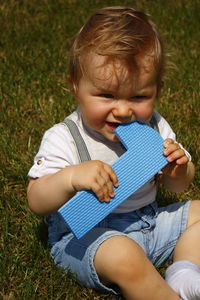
(176, 157)
(96, 176)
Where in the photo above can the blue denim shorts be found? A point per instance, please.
(155, 229)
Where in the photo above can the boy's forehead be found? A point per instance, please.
(109, 74)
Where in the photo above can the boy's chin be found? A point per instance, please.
(111, 137)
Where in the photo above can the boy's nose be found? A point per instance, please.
(123, 109)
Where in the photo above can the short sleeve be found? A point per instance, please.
(57, 151)
(165, 129)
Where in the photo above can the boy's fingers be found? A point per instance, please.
(176, 155)
(167, 142)
(99, 191)
(107, 187)
(183, 160)
(103, 181)
(112, 175)
(172, 147)
(110, 190)
(103, 187)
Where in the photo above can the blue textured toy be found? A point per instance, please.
(142, 160)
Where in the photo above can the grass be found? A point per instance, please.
(35, 39)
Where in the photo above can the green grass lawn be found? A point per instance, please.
(34, 44)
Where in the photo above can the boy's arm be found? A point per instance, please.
(179, 173)
(49, 192)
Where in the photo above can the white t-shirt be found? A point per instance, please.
(58, 150)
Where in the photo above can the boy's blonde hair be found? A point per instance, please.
(116, 33)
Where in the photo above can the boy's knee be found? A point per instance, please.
(120, 258)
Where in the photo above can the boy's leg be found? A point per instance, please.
(122, 261)
(184, 275)
(188, 246)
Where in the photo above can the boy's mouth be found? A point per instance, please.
(112, 125)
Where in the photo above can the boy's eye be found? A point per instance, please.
(139, 97)
(108, 96)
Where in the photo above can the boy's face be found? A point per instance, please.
(110, 95)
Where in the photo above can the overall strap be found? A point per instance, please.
(154, 123)
(80, 144)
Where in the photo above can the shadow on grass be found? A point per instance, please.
(41, 232)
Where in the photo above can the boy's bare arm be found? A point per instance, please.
(179, 173)
(48, 193)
